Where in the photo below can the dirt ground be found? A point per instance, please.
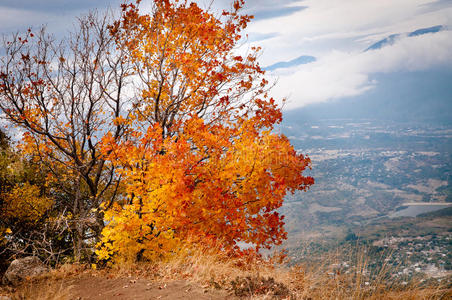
(89, 286)
(97, 288)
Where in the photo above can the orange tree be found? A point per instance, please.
(202, 162)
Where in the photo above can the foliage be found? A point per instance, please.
(21, 186)
(25, 203)
(192, 157)
(65, 95)
(31, 220)
(203, 162)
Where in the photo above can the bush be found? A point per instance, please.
(252, 286)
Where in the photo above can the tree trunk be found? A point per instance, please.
(77, 228)
(78, 242)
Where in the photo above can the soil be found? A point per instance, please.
(87, 286)
(100, 288)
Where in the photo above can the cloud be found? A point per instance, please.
(270, 13)
(344, 25)
(253, 4)
(338, 16)
(12, 19)
(57, 15)
(260, 9)
(256, 36)
(334, 31)
(435, 5)
(52, 5)
(337, 32)
(342, 74)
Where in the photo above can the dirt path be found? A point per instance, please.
(100, 288)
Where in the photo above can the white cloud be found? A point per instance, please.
(58, 16)
(12, 19)
(340, 74)
(344, 25)
(336, 32)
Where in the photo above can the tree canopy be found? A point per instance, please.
(163, 133)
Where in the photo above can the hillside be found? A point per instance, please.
(204, 276)
(368, 170)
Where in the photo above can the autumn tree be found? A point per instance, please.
(203, 162)
(154, 125)
(65, 96)
(30, 223)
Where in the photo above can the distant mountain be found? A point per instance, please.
(301, 60)
(390, 40)
(384, 42)
(422, 31)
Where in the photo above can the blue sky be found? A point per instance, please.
(335, 32)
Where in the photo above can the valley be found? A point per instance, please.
(376, 183)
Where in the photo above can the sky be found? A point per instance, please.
(335, 33)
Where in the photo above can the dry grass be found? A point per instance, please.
(50, 286)
(322, 280)
(251, 278)
(308, 281)
(49, 290)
